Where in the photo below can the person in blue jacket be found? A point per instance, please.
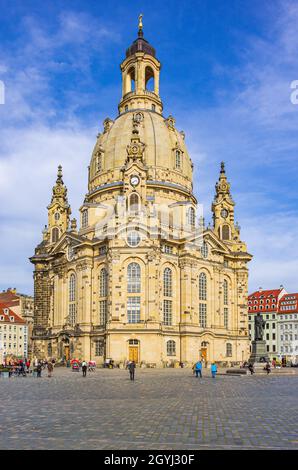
(198, 368)
(213, 370)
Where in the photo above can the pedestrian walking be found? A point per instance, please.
(198, 368)
(39, 369)
(251, 368)
(213, 370)
(84, 368)
(267, 368)
(50, 369)
(131, 367)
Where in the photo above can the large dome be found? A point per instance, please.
(161, 140)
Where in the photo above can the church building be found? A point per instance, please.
(140, 277)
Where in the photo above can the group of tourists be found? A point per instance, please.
(24, 367)
(198, 367)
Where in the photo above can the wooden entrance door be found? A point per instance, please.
(66, 352)
(134, 353)
(204, 354)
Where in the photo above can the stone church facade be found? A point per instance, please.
(141, 278)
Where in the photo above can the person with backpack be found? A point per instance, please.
(213, 370)
(198, 368)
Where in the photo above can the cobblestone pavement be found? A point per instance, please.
(162, 409)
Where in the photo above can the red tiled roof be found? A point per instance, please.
(265, 293)
(287, 300)
(10, 313)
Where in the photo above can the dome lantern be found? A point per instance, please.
(138, 68)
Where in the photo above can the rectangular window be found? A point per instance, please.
(72, 313)
(168, 249)
(226, 317)
(167, 312)
(203, 315)
(85, 218)
(267, 337)
(134, 309)
(99, 348)
(273, 336)
(103, 309)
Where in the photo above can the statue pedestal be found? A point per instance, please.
(258, 352)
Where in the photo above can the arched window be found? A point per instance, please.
(167, 283)
(72, 307)
(228, 350)
(130, 80)
(225, 232)
(103, 293)
(55, 235)
(85, 218)
(134, 202)
(202, 286)
(191, 217)
(149, 79)
(171, 348)
(133, 278)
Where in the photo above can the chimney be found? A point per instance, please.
(260, 289)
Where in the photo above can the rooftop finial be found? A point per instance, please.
(141, 24)
(59, 174)
(222, 167)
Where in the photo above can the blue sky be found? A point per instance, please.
(227, 67)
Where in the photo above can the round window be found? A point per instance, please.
(133, 238)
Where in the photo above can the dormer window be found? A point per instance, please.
(178, 159)
(191, 217)
(99, 161)
(85, 218)
(11, 318)
(55, 235)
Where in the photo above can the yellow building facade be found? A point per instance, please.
(141, 277)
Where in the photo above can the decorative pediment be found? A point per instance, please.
(214, 242)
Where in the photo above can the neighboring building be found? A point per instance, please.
(288, 327)
(266, 302)
(13, 334)
(135, 281)
(22, 305)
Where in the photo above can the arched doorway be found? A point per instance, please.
(204, 352)
(65, 348)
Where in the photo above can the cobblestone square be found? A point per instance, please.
(162, 409)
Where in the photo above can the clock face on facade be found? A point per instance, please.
(224, 213)
(134, 180)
